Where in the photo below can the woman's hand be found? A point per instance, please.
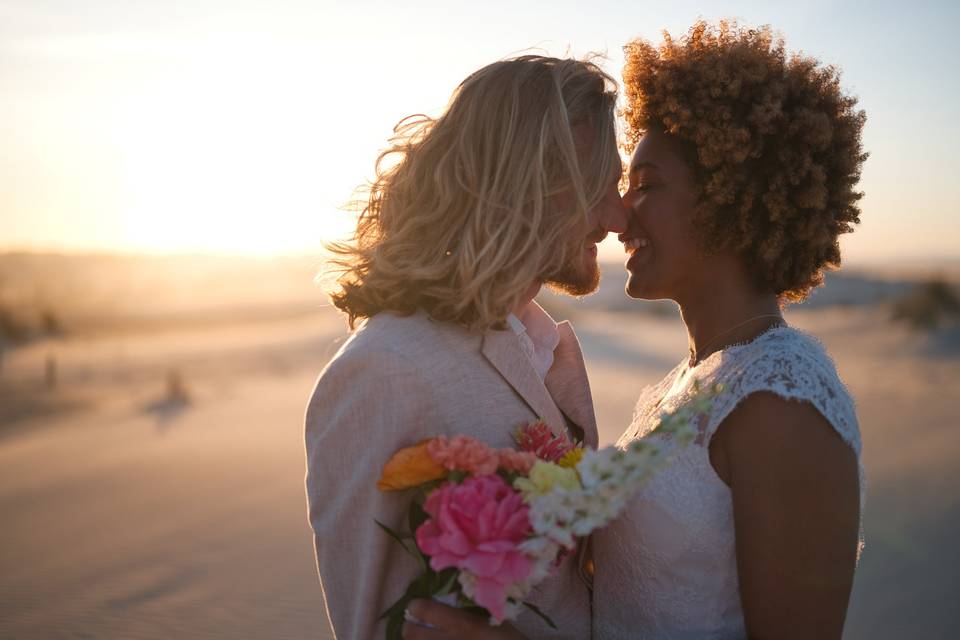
(450, 623)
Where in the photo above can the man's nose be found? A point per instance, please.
(617, 213)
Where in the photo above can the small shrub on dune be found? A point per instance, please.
(50, 323)
(12, 330)
(176, 392)
(928, 305)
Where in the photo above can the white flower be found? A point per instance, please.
(543, 552)
(609, 476)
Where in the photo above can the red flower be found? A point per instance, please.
(538, 439)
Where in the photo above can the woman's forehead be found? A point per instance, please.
(657, 150)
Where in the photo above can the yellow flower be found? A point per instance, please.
(545, 477)
(571, 458)
(409, 467)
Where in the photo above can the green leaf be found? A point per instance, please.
(417, 516)
(447, 579)
(399, 537)
(543, 616)
(421, 559)
(395, 626)
(413, 590)
(424, 489)
(393, 534)
(423, 586)
(395, 608)
(465, 603)
(408, 545)
(508, 476)
(476, 610)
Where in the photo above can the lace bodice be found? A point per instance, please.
(667, 567)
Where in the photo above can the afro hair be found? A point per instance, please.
(775, 144)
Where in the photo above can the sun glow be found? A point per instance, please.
(231, 128)
(212, 161)
(201, 146)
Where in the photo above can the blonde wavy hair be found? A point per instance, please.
(484, 200)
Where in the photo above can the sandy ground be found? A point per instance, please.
(127, 515)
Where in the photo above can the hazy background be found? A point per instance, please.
(168, 173)
(238, 126)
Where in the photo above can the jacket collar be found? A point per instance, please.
(566, 390)
(568, 384)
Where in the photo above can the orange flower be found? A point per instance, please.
(409, 467)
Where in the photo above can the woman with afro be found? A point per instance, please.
(743, 176)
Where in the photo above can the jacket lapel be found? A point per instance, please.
(502, 349)
(569, 386)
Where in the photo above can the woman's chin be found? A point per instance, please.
(635, 288)
(639, 287)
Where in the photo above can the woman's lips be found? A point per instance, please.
(637, 248)
(633, 244)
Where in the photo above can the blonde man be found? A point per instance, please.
(511, 188)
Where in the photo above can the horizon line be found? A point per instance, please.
(79, 252)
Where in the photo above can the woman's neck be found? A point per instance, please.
(725, 311)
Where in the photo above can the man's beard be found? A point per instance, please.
(574, 282)
(574, 278)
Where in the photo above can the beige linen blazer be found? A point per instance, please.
(396, 381)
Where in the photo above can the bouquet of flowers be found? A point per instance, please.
(487, 525)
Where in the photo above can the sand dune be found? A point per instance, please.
(128, 513)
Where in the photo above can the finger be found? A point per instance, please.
(413, 631)
(444, 617)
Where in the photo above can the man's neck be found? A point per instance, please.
(526, 299)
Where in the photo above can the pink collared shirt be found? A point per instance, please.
(538, 336)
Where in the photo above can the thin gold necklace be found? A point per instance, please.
(694, 359)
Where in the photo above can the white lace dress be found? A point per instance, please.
(667, 567)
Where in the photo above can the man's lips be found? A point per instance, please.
(591, 244)
(597, 236)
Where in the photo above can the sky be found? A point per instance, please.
(230, 126)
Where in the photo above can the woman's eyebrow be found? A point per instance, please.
(642, 165)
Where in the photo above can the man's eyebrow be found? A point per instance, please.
(643, 165)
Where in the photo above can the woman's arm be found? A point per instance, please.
(795, 487)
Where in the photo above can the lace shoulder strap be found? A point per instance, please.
(792, 365)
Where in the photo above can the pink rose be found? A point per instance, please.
(477, 527)
(464, 454)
